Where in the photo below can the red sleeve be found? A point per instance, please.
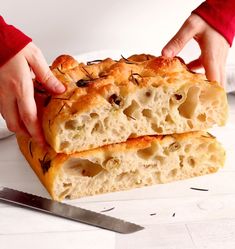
(12, 41)
(220, 15)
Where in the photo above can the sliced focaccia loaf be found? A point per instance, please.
(110, 101)
(136, 163)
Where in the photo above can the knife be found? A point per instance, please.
(67, 211)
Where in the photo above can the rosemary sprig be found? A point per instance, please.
(49, 125)
(130, 117)
(30, 149)
(127, 61)
(199, 189)
(45, 164)
(133, 78)
(87, 73)
(93, 62)
(60, 71)
(107, 210)
(61, 109)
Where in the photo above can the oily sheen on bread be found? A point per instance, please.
(110, 101)
(135, 163)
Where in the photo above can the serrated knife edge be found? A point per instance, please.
(67, 211)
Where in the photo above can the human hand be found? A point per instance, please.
(214, 47)
(17, 104)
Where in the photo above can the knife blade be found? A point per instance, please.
(67, 211)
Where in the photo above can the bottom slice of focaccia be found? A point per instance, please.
(135, 163)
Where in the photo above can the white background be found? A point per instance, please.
(75, 27)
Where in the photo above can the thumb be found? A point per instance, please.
(177, 43)
(43, 73)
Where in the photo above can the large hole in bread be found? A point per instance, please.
(131, 109)
(70, 125)
(82, 167)
(148, 152)
(169, 119)
(156, 128)
(94, 115)
(147, 113)
(188, 107)
(98, 127)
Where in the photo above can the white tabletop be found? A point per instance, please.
(183, 218)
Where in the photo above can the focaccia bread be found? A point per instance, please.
(110, 101)
(135, 163)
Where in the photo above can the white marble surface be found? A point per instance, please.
(201, 220)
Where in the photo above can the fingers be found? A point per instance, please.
(12, 118)
(213, 62)
(17, 102)
(28, 114)
(28, 109)
(213, 70)
(177, 43)
(214, 47)
(42, 71)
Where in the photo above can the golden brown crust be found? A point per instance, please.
(108, 75)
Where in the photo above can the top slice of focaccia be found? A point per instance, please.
(109, 101)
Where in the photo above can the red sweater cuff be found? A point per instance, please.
(220, 15)
(12, 41)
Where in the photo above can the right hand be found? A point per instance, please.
(214, 47)
(17, 103)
